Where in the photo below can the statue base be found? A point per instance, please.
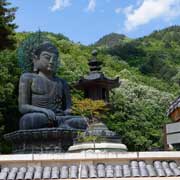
(45, 140)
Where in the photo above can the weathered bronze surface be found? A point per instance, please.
(44, 98)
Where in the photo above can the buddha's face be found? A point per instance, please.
(46, 62)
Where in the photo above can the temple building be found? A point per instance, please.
(172, 130)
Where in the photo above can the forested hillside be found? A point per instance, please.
(157, 55)
(148, 68)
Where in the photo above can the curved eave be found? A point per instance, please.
(103, 82)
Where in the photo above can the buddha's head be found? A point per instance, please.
(46, 58)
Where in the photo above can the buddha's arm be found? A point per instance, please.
(67, 98)
(25, 97)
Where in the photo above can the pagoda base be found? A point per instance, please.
(98, 147)
(104, 140)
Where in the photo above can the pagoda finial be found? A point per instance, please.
(94, 53)
(94, 64)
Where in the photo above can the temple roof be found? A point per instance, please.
(174, 105)
(130, 165)
(98, 170)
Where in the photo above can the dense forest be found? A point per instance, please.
(148, 67)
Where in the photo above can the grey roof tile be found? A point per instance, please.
(12, 173)
(38, 173)
(3, 175)
(151, 170)
(99, 170)
(73, 172)
(126, 170)
(92, 171)
(47, 173)
(84, 171)
(135, 168)
(109, 171)
(118, 171)
(64, 172)
(29, 175)
(55, 174)
(142, 169)
(21, 173)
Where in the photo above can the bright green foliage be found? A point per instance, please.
(176, 78)
(139, 105)
(9, 76)
(156, 55)
(129, 52)
(138, 115)
(6, 26)
(82, 138)
(92, 109)
(156, 66)
(73, 60)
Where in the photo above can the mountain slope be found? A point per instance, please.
(111, 40)
(156, 55)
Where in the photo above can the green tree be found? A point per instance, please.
(9, 75)
(7, 27)
(138, 114)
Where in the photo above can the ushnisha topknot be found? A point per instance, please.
(46, 46)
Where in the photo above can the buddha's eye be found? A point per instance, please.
(47, 57)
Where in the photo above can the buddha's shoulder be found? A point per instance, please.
(25, 76)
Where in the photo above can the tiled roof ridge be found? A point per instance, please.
(133, 168)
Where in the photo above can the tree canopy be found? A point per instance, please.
(7, 27)
(148, 68)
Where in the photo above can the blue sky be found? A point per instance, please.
(86, 21)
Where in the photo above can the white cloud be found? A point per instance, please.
(60, 4)
(91, 6)
(128, 10)
(117, 10)
(150, 10)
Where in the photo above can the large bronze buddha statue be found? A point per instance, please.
(44, 99)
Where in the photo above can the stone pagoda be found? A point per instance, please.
(96, 86)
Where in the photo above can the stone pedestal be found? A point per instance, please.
(98, 147)
(43, 140)
(107, 140)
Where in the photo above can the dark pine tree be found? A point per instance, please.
(7, 27)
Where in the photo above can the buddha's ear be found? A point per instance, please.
(34, 58)
(35, 65)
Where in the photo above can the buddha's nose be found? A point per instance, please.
(51, 60)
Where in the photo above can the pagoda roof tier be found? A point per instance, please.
(98, 79)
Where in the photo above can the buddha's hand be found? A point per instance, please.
(50, 114)
(67, 111)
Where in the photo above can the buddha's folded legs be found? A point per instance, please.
(40, 120)
(34, 121)
(76, 122)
